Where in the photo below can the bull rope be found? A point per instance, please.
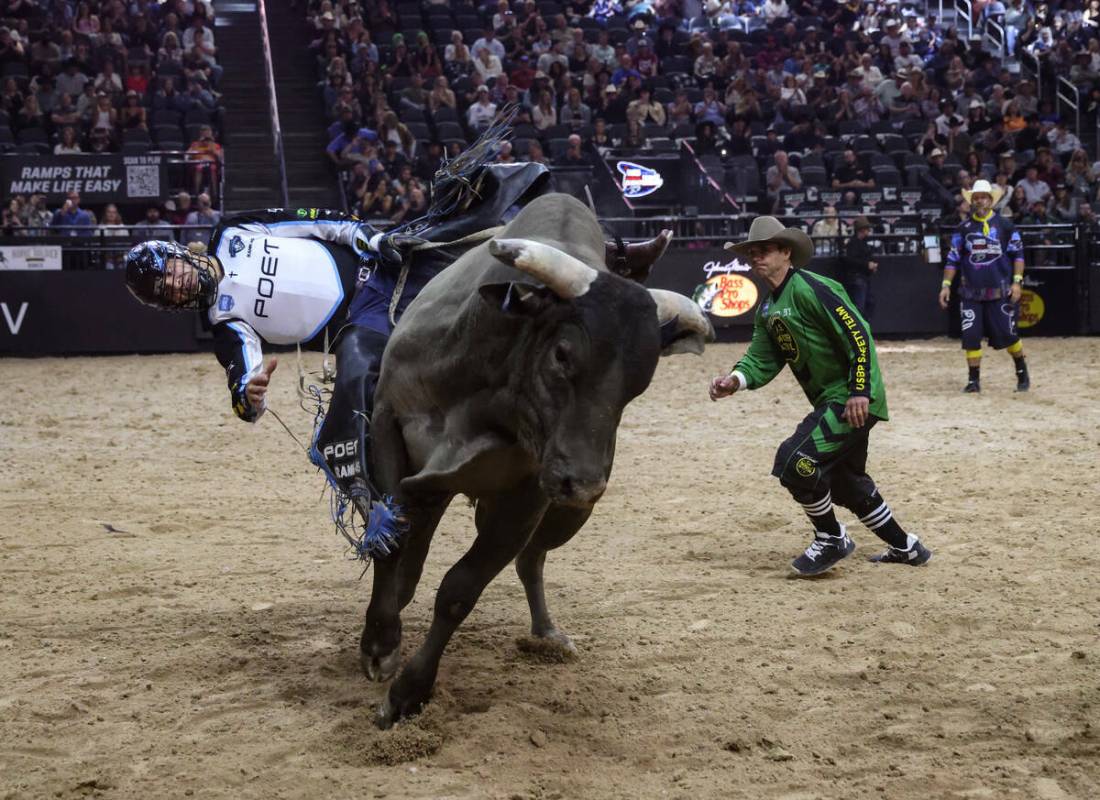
(403, 276)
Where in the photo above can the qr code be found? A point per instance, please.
(143, 181)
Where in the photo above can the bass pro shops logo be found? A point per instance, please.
(236, 245)
(1032, 308)
(638, 181)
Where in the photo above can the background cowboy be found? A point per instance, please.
(986, 249)
(809, 322)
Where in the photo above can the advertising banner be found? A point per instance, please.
(649, 180)
(905, 290)
(48, 312)
(98, 178)
(31, 257)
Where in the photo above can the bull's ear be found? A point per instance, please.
(520, 299)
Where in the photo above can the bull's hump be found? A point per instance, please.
(561, 221)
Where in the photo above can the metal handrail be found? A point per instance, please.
(276, 129)
(1035, 68)
(965, 8)
(994, 32)
(714, 185)
(1073, 100)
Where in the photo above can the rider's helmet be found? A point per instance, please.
(168, 276)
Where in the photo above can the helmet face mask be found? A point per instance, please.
(168, 276)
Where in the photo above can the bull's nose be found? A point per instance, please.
(579, 492)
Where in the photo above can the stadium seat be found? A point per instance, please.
(419, 130)
(448, 131)
(558, 147)
(814, 176)
(445, 114)
(886, 176)
(849, 128)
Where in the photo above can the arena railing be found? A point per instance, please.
(1066, 92)
(1030, 62)
(964, 10)
(994, 33)
(93, 247)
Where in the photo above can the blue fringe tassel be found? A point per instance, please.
(381, 531)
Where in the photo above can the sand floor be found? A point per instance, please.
(179, 617)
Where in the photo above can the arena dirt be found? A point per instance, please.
(178, 618)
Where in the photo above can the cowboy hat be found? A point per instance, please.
(984, 187)
(769, 229)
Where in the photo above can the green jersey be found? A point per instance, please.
(810, 323)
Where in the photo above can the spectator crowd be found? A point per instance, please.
(109, 76)
(814, 95)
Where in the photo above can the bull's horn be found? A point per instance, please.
(693, 329)
(634, 261)
(565, 275)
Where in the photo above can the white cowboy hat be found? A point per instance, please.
(769, 229)
(984, 187)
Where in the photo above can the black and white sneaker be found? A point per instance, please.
(972, 387)
(916, 556)
(824, 553)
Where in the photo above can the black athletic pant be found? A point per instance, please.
(344, 439)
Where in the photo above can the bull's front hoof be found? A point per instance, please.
(380, 668)
(394, 709)
(551, 647)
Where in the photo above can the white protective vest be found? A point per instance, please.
(286, 289)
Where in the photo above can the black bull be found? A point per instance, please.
(507, 384)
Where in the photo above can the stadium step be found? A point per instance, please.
(310, 177)
(251, 180)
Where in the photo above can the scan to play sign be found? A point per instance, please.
(638, 181)
(1031, 308)
(727, 291)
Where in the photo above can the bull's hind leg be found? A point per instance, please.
(558, 526)
(504, 524)
(395, 579)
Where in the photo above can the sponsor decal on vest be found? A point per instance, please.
(983, 249)
(236, 245)
(784, 339)
(226, 302)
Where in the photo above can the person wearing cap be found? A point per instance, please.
(810, 323)
(482, 111)
(858, 265)
(988, 254)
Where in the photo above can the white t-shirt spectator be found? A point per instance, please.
(494, 46)
(775, 9)
(488, 70)
(1035, 191)
(205, 37)
(481, 114)
(605, 54)
(906, 63)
